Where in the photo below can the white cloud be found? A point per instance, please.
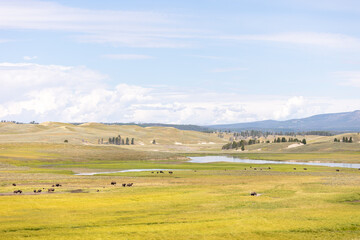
(78, 94)
(292, 106)
(127, 56)
(329, 40)
(233, 69)
(130, 28)
(28, 58)
(348, 78)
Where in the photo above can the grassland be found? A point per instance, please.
(197, 201)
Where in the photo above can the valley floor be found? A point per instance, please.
(197, 201)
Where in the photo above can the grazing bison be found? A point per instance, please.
(244, 168)
(129, 184)
(58, 185)
(14, 184)
(98, 190)
(294, 168)
(338, 170)
(269, 167)
(18, 191)
(113, 183)
(51, 190)
(254, 168)
(39, 191)
(124, 184)
(161, 172)
(53, 185)
(253, 194)
(170, 172)
(305, 168)
(35, 191)
(152, 172)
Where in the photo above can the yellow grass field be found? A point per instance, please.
(197, 201)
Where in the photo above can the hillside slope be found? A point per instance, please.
(89, 133)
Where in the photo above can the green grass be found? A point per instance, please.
(212, 202)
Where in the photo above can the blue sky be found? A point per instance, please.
(199, 62)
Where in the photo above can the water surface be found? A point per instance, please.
(211, 159)
(124, 171)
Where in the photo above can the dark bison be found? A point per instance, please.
(161, 172)
(124, 184)
(14, 184)
(244, 168)
(253, 194)
(98, 190)
(18, 191)
(269, 167)
(294, 168)
(129, 184)
(338, 170)
(254, 168)
(35, 191)
(305, 168)
(39, 191)
(51, 190)
(170, 172)
(58, 185)
(113, 183)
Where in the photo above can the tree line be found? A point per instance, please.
(344, 139)
(118, 141)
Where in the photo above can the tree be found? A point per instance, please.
(335, 140)
(350, 140)
(303, 141)
(242, 147)
(127, 141)
(153, 141)
(132, 141)
(283, 139)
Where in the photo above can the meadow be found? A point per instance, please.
(197, 201)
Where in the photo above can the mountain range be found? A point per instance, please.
(342, 122)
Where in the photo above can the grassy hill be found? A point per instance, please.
(89, 133)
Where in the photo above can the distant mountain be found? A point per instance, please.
(343, 122)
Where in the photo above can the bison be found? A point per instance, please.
(129, 184)
(51, 190)
(39, 191)
(113, 183)
(14, 184)
(305, 168)
(124, 184)
(338, 170)
(253, 194)
(294, 168)
(170, 172)
(58, 185)
(18, 191)
(161, 172)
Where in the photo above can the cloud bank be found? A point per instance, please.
(78, 94)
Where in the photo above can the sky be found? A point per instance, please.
(182, 62)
